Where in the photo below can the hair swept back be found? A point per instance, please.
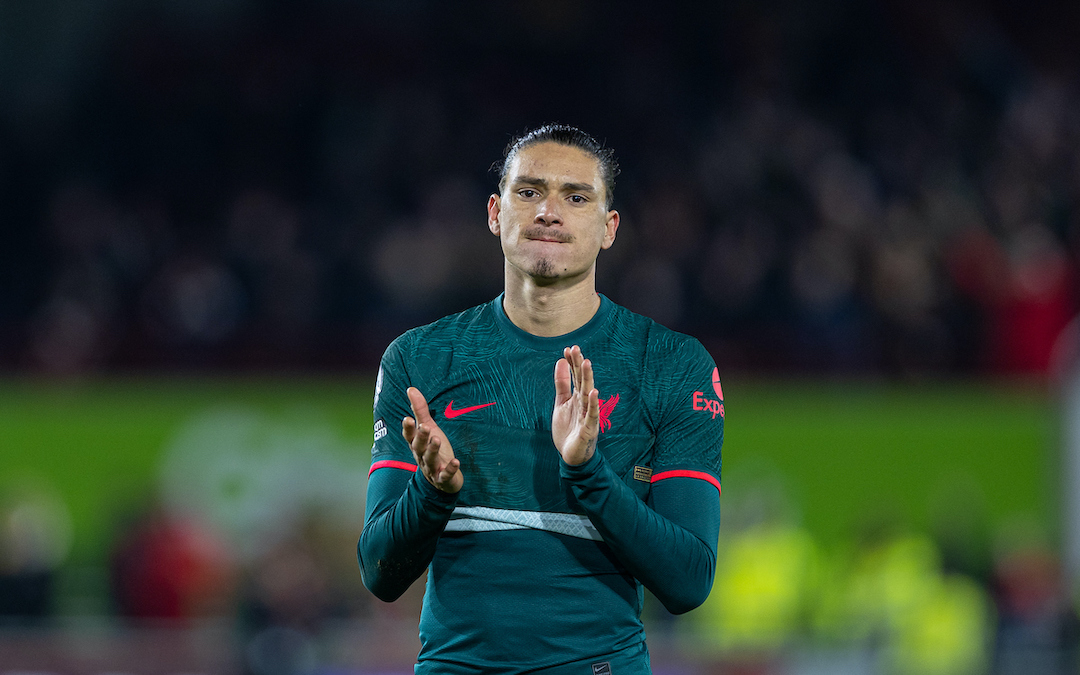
(564, 134)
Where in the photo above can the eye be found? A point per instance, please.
(578, 199)
(527, 193)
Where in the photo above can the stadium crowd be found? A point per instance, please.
(889, 600)
(854, 190)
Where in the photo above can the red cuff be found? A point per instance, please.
(393, 464)
(686, 473)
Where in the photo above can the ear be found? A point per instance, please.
(610, 228)
(493, 209)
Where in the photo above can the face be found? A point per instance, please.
(551, 215)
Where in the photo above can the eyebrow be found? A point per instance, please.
(540, 182)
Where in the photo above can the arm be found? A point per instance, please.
(408, 502)
(405, 515)
(668, 544)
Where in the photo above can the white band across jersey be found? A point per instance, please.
(486, 519)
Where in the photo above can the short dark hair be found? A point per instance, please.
(564, 134)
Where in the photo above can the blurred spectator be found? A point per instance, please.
(35, 535)
(291, 596)
(1037, 302)
(780, 595)
(767, 576)
(283, 609)
(1038, 627)
(923, 621)
(164, 567)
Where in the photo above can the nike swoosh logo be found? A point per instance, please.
(451, 413)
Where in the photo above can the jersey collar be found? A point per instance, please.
(557, 342)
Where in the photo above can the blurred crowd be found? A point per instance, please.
(847, 187)
(888, 600)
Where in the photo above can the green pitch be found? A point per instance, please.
(981, 454)
(842, 453)
(101, 444)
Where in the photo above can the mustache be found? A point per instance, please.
(545, 233)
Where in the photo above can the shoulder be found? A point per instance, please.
(678, 372)
(661, 343)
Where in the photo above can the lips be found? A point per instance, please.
(551, 237)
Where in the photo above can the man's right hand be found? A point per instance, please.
(434, 456)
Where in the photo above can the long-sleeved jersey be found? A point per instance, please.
(536, 564)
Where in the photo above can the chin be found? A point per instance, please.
(545, 269)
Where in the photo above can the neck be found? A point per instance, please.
(550, 310)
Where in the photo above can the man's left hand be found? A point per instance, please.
(575, 421)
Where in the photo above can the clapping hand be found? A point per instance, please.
(434, 456)
(575, 420)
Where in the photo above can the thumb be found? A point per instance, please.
(419, 406)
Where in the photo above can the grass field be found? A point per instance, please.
(849, 452)
(842, 452)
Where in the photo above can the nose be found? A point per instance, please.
(547, 211)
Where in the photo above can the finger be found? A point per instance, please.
(575, 366)
(427, 450)
(563, 385)
(568, 356)
(431, 455)
(419, 441)
(592, 416)
(419, 405)
(449, 470)
(408, 429)
(586, 376)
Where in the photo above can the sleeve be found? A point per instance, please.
(668, 543)
(390, 406)
(404, 514)
(689, 407)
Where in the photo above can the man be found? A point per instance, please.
(537, 507)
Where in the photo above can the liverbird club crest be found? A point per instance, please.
(606, 408)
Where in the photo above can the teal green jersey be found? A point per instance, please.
(536, 565)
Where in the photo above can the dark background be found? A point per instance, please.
(883, 188)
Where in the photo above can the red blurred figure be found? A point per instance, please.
(167, 568)
(1025, 293)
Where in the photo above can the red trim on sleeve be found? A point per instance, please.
(686, 473)
(393, 464)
